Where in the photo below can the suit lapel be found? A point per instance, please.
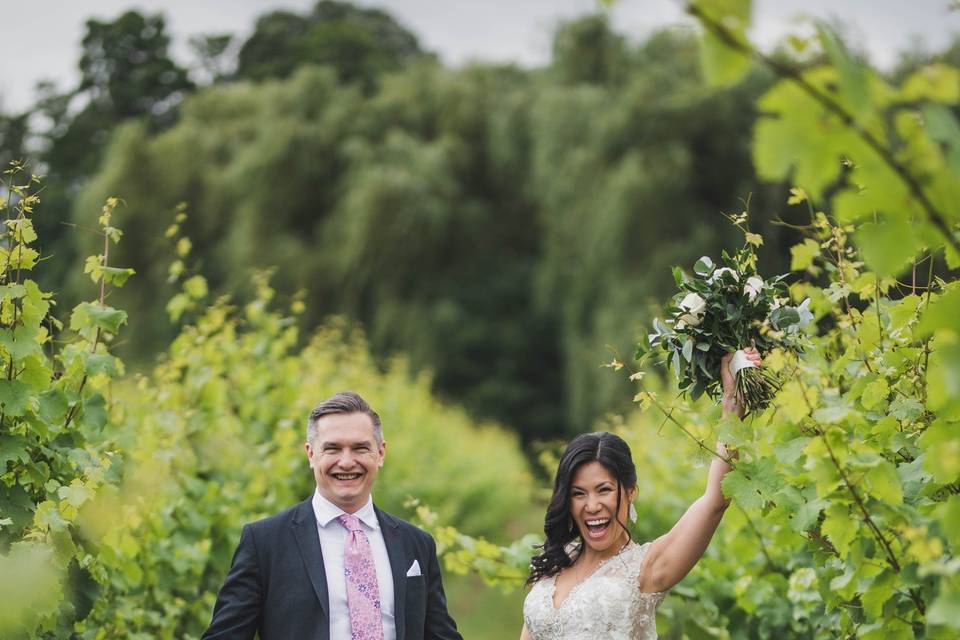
(304, 524)
(398, 559)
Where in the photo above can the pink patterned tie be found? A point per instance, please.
(363, 592)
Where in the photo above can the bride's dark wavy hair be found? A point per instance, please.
(558, 525)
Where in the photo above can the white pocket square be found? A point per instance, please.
(414, 569)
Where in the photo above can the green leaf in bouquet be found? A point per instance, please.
(704, 266)
(702, 364)
(732, 313)
(678, 276)
(783, 317)
(640, 353)
(688, 349)
(698, 388)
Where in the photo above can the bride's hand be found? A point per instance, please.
(729, 381)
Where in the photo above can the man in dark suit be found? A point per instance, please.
(335, 567)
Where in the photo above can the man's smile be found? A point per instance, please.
(346, 477)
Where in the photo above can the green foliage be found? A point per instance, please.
(52, 417)
(360, 43)
(844, 490)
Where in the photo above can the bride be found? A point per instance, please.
(592, 581)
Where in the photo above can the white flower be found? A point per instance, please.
(719, 272)
(753, 287)
(805, 314)
(695, 306)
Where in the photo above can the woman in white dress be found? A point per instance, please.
(591, 581)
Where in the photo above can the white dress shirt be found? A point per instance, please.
(333, 537)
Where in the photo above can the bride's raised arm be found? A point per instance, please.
(672, 555)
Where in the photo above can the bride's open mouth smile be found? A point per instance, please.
(596, 527)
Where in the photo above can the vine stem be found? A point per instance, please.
(96, 337)
(934, 216)
(926, 343)
(891, 558)
(763, 547)
(669, 416)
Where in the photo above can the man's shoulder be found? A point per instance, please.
(296, 513)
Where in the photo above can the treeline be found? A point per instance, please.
(499, 225)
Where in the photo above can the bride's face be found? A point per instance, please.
(593, 505)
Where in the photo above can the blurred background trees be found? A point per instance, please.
(496, 224)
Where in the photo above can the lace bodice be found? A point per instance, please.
(608, 605)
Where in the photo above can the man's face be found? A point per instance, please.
(345, 458)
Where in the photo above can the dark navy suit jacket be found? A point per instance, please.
(277, 586)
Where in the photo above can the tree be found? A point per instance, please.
(126, 73)
(212, 52)
(360, 43)
(587, 50)
(126, 70)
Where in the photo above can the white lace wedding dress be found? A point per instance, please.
(608, 605)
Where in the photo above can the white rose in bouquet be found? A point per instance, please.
(753, 287)
(694, 306)
(719, 273)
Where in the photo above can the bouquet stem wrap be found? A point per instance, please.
(755, 387)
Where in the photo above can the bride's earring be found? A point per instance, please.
(632, 513)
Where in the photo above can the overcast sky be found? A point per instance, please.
(41, 38)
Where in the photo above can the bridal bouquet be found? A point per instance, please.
(722, 309)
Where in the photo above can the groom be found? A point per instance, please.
(335, 567)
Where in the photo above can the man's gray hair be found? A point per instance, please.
(343, 402)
